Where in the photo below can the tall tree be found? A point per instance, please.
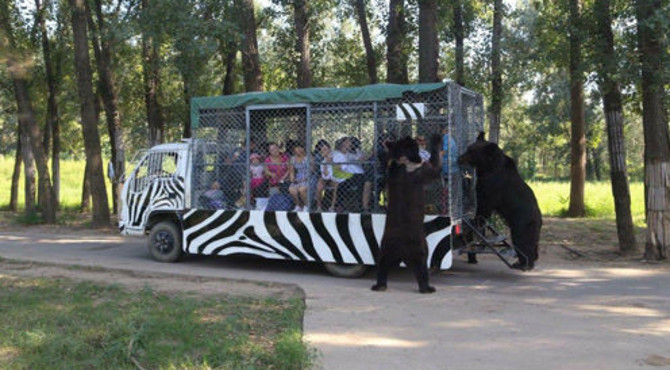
(94, 168)
(229, 52)
(51, 129)
(428, 42)
(301, 18)
(459, 34)
(613, 110)
(496, 73)
(16, 174)
(577, 122)
(370, 57)
(103, 49)
(151, 75)
(30, 130)
(396, 55)
(253, 78)
(652, 33)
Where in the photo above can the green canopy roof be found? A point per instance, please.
(312, 95)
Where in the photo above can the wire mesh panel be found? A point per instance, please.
(328, 156)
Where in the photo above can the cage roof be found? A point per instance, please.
(377, 92)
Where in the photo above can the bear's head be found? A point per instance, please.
(483, 155)
(406, 147)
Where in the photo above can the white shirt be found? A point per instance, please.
(339, 157)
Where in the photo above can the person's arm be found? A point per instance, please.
(291, 171)
(285, 169)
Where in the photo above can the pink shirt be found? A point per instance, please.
(279, 169)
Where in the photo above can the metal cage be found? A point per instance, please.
(320, 150)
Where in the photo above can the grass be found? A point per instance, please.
(57, 323)
(554, 198)
(72, 175)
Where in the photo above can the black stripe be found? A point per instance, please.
(142, 209)
(227, 232)
(238, 243)
(317, 222)
(405, 112)
(250, 233)
(342, 222)
(303, 233)
(440, 251)
(272, 226)
(199, 217)
(437, 224)
(368, 232)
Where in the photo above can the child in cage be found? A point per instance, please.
(257, 181)
(276, 168)
(298, 174)
(326, 178)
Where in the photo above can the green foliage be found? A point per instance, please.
(56, 322)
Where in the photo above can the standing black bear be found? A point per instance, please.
(404, 239)
(500, 188)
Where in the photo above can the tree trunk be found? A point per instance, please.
(230, 54)
(18, 69)
(396, 56)
(187, 93)
(14, 192)
(655, 123)
(367, 41)
(577, 125)
(102, 47)
(29, 189)
(428, 42)
(88, 116)
(459, 35)
(614, 119)
(52, 121)
(495, 116)
(30, 132)
(85, 194)
(151, 77)
(301, 18)
(32, 129)
(253, 79)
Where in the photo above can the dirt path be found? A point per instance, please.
(584, 307)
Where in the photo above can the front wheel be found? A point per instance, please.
(165, 242)
(346, 271)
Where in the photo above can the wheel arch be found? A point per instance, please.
(160, 216)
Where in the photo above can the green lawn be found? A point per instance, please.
(60, 324)
(72, 175)
(554, 197)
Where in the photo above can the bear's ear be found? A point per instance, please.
(480, 137)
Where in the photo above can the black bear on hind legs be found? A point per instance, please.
(500, 188)
(404, 239)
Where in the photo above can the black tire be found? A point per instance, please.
(346, 271)
(165, 242)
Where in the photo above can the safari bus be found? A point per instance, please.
(300, 175)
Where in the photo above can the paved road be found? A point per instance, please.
(560, 316)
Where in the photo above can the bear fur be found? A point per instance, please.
(404, 239)
(500, 188)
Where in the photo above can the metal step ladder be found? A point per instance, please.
(487, 240)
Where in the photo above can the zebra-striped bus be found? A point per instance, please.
(299, 175)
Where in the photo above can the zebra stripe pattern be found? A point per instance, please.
(303, 236)
(163, 194)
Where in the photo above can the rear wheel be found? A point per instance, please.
(165, 242)
(346, 271)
